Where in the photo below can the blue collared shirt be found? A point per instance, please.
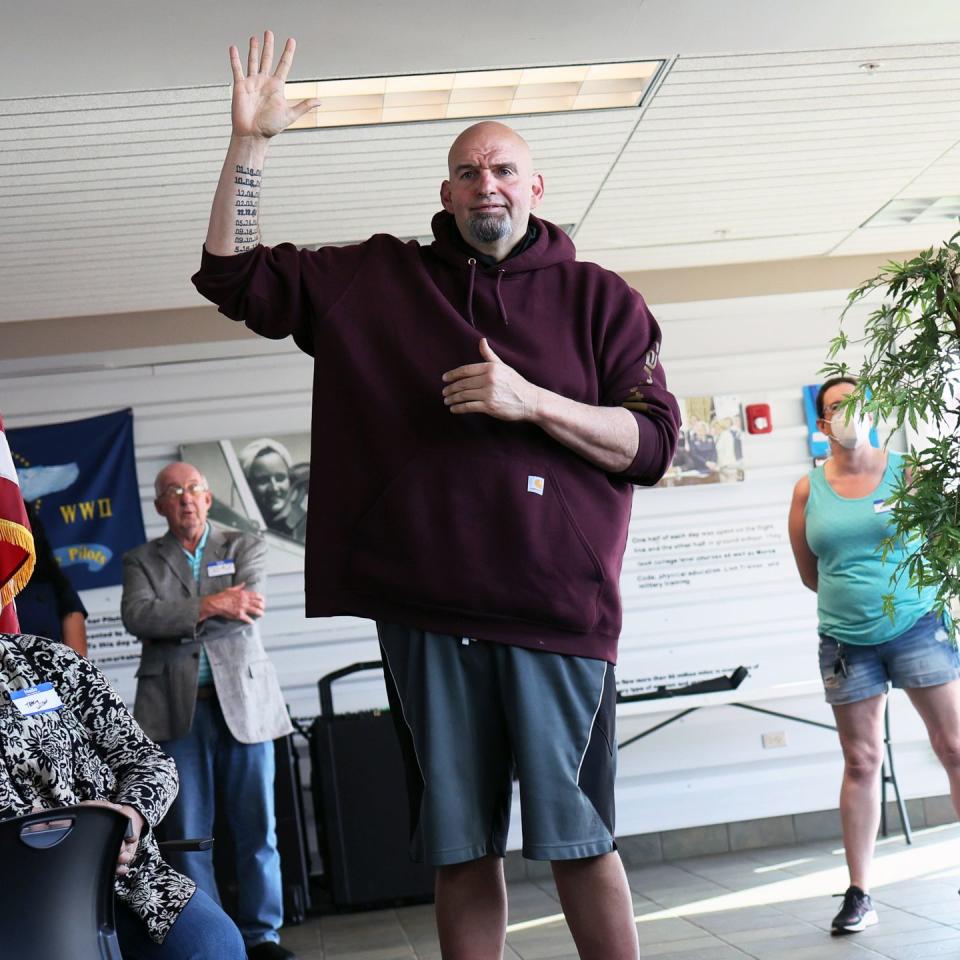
(195, 559)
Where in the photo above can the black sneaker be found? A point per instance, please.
(269, 950)
(856, 914)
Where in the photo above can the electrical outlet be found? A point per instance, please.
(776, 739)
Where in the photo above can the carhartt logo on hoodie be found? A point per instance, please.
(535, 485)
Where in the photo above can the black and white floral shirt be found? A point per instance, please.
(90, 750)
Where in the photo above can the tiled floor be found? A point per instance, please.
(770, 904)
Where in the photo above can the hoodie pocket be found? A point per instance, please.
(487, 536)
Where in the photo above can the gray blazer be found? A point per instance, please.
(160, 606)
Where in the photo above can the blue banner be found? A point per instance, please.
(83, 476)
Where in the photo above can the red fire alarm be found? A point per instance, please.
(758, 418)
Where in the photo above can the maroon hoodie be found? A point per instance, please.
(466, 525)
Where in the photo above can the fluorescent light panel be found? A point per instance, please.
(916, 210)
(484, 93)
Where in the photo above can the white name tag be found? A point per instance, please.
(535, 485)
(880, 507)
(39, 699)
(221, 568)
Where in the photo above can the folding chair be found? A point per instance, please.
(56, 884)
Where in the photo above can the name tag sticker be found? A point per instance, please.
(879, 506)
(39, 699)
(221, 568)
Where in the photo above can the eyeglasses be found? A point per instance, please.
(175, 491)
(834, 407)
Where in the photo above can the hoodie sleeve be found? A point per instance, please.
(279, 291)
(632, 376)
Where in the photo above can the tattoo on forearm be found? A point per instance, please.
(246, 223)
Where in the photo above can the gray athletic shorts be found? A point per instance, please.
(470, 715)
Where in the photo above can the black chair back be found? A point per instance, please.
(56, 884)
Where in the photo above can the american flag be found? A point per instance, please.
(17, 555)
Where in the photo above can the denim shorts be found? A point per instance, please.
(471, 715)
(923, 656)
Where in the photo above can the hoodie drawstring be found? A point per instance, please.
(471, 283)
(473, 272)
(503, 309)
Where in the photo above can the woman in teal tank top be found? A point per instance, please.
(838, 517)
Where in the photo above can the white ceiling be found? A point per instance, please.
(765, 139)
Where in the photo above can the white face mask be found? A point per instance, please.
(850, 433)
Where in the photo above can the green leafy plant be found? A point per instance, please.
(910, 375)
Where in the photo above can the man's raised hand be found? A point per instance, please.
(260, 110)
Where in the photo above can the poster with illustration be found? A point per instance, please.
(710, 445)
(260, 484)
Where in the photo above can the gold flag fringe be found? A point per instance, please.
(19, 536)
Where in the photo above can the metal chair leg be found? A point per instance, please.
(888, 775)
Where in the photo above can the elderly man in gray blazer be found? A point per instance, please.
(207, 692)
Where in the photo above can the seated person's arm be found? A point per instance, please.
(146, 777)
(71, 611)
(74, 626)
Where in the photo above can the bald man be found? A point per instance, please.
(483, 407)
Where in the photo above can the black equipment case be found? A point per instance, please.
(291, 832)
(360, 801)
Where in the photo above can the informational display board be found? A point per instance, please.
(709, 584)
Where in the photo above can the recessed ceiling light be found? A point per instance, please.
(484, 93)
(916, 210)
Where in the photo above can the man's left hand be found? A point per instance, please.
(492, 388)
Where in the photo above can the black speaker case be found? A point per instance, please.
(361, 806)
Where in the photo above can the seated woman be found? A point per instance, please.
(91, 750)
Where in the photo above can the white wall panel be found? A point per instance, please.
(709, 766)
